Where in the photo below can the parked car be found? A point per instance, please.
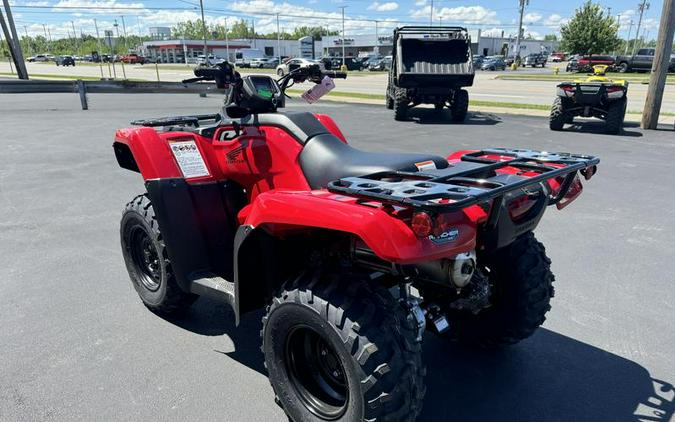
(534, 60)
(478, 61)
(261, 62)
(586, 63)
(642, 61)
(493, 63)
(558, 57)
(39, 58)
(572, 65)
(64, 61)
(212, 59)
(369, 60)
(295, 63)
(133, 58)
(352, 63)
(384, 64)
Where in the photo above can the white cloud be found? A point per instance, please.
(106, 6)
(461, 14)
(531, 18)
(420, 2)
(383, 7)
(493, 32)
(555, 21)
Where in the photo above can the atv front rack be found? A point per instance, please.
(460, 186)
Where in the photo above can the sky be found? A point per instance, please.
(491, 16)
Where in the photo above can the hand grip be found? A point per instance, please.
(334, 75)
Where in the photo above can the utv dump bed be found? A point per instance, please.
(432, 57)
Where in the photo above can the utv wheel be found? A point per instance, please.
(616, 113)
(558, 116)
(147, 260)
(342, 350)
(623, 67)
(280, 72)
(522, 287)
(400, 104)
(389, 101)
(460, 105)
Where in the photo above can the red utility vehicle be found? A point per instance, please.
(586, 63)
(133, 59)
(351, 254)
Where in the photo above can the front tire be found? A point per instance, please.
(460, 105)
(147, 260)
(342, 350)
(280, 72)
(400, 104)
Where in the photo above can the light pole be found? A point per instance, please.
(206, 55)
(124, 30)
(343, 34)
(377, 39)
(278, 41)
(227, 42)
(30, 49)
(77, 45)
(642, 7)
(630, 29)
(100, 50)
(516, 54)
(431, 14)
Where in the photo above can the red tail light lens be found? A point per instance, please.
(422, 224)
(521, 205)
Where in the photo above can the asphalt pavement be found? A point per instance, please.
(76, 343)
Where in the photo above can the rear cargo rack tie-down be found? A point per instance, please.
(458, 188)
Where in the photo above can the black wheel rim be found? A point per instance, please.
(316, 373)
(145, 258)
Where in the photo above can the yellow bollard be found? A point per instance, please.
(514, 66)
(556, 70)
(343, 68)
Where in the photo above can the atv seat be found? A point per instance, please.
(326, 158)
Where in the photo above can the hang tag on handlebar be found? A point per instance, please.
(313, 94)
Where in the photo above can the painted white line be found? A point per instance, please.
(477, 94)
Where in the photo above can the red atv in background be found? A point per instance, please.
(352, 254)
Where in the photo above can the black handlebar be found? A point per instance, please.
(334, 75)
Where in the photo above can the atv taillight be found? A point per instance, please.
(614, 92)
(566, 91)
(422, 224)
(521, 205)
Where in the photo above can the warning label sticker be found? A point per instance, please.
(425, 165)
(189, 159)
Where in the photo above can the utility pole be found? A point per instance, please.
(124, 30)
(227, 42)
(377, 39)
(609, 11)
(641, 7)
(278, 41)
(431, 14)
(30, 50)
(253, 29)
(516, 54)
(100, 50)
(630, 29)
(206, 54)
(343, 34)
(77, 46)
(13, 41)
(657, 80)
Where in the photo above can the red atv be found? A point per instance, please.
(352, 254)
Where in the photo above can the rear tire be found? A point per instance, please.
(522, 288)
(616, 113)
(342, 350)
(460, 105)
(147, 260)
(400, 104)
(280, 72)
(623, 67)
(558, 117)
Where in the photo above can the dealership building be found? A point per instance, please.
(181, 51)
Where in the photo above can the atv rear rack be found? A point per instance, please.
(457, 187)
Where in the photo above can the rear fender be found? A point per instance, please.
(390, 238)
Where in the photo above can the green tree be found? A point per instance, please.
(550, 37)
(590, 31)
